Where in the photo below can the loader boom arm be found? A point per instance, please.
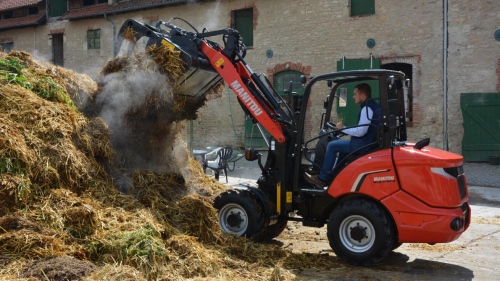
(204, 58)
(233, 77)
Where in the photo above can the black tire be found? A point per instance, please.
(395, 242)
(240, 213)
(360, 232)
(273, 231)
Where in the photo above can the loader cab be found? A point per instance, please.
(324, 102)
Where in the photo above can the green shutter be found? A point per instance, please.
(481, 114)
(57, 8)
(243, 22)
(362, 7)
(349, 113)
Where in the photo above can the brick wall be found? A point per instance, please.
(315, 34)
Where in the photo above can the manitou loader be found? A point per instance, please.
(396, 192)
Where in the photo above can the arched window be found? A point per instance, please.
(282, 81)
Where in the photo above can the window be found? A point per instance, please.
(282, 82)
(6, 46)
(88, 2)
(102, 1)
(33, 10)
(362, 7)
(94, 39)
(7, 15)
(243, 22)
(57, 8)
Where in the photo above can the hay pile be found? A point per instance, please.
(61, 215)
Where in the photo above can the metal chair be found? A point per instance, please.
(220, 162)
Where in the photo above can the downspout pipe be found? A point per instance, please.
(445, 74)
(113, 28)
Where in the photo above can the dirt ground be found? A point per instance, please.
(472, 257)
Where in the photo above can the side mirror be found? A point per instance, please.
(407, 83)
(329, 83)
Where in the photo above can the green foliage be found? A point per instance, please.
(13, 166)
(142, 248)
(10, 165)
(144, 243)
(49, 90)
(11, 71)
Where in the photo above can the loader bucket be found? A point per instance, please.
(193, 75)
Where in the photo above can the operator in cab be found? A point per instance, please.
(362, 136)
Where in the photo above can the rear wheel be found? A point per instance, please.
(360, 232)
(240, 213)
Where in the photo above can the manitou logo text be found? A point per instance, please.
(247, 99)
(383, 179)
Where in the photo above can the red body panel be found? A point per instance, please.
(372, 174)
(232, 75)
(421, 223)
(422, 175)
(420, 196)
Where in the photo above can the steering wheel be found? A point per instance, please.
(331, 125)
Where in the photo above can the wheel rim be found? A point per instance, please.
(233, 219)
(357, 233)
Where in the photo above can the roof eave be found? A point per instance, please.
(40, 21)
(122, 11)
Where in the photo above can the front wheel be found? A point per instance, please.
(240, 213)
(360, 232)
(273, 231)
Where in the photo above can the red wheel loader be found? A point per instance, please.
(395, 192)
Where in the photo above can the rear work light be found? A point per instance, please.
(457, 224)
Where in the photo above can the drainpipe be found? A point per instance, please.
(445, 74)
(113, 28)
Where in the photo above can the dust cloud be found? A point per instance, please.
(136, 102)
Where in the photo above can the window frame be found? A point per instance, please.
(33, 10)
(94, 39)
(281, 86)
(86, 3)
(3, 45)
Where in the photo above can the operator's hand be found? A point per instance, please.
(339, 125)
